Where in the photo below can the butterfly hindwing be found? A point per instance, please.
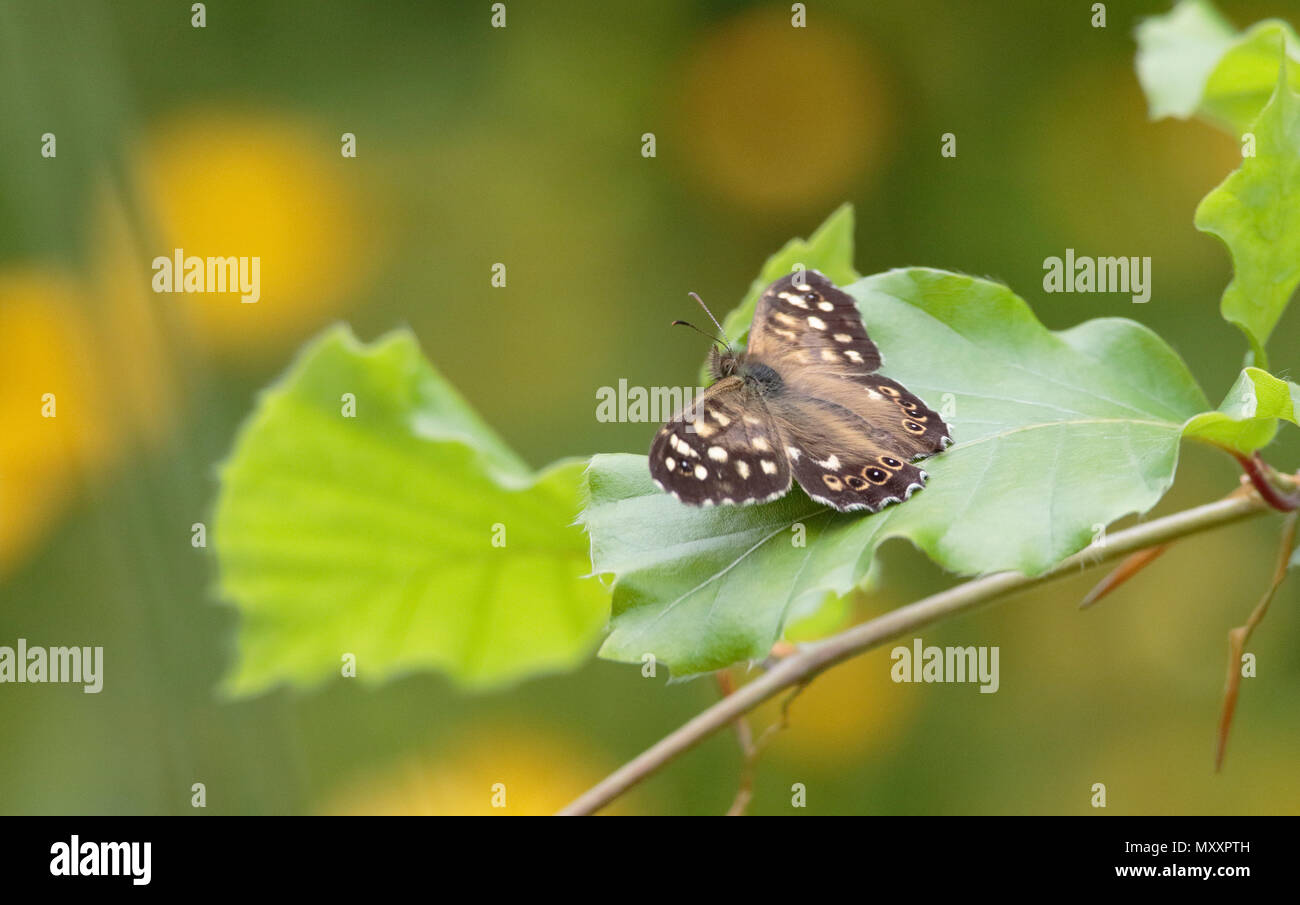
(924, 431)
(865, 478)
(723, 449)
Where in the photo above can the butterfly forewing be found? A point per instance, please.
(804, 323)
(723, 449)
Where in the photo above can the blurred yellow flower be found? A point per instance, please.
(851, 710)
(778, 117)
(527, 771)
(56, 422)
(222, 184)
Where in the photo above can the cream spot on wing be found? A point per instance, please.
(701, 472)
(670, 462)
(788, 319)
(706, 430)
(802, 287)
(742, 468)
(717, 454)
(873, 394)
(833, 463)
(760, 444)
(826, 306)
(720, 418)
(793, 452)
(817, 323)
(828, 355)
(752, 419)
(853, 356)
(785, 334)
(843, 338)
(768, 467)
(796, 300)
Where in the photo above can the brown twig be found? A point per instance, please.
(750, 767)
(1266, 480)
(1141, 559)
(1238, 637)
(813, 659)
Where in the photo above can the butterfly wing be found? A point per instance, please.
(844, 470)
(806, 324)
(724, 448)
(851, 434)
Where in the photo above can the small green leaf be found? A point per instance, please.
(1176, 54)
(829, 249)
(408, 535)
(1191, 61)
(1245, 78)
(1057, 434)
(1256, 212)
(1247, 419)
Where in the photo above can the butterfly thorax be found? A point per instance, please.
(757, 375)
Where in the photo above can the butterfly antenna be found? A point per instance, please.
(721, 333)
(711, 337)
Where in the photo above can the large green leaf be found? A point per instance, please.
(1247, 419)
(374, 535)
(1056, 434)
(1191, 61)
(829, 249)
(1256, 212)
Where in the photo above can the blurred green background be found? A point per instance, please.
(479, 145)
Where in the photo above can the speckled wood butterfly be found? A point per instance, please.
(801, 401)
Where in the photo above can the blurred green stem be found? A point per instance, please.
(815, 658)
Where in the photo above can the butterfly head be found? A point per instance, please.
(723, 364)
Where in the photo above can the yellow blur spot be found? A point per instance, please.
(780, 117)
(224, 184)
(528, 772)
(850, 711)
(49, 367)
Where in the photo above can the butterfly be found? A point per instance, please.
(802, 402)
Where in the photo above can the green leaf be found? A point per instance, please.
(1176, 54)
(1057, 434)
(1248, 418)
(1191, 61)
(829, 249)
(1256, 212)
(373, 535)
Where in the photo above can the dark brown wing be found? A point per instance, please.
(723, 449)
(811, 333)
(851, 434)
(803, 320)
(855, 475)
